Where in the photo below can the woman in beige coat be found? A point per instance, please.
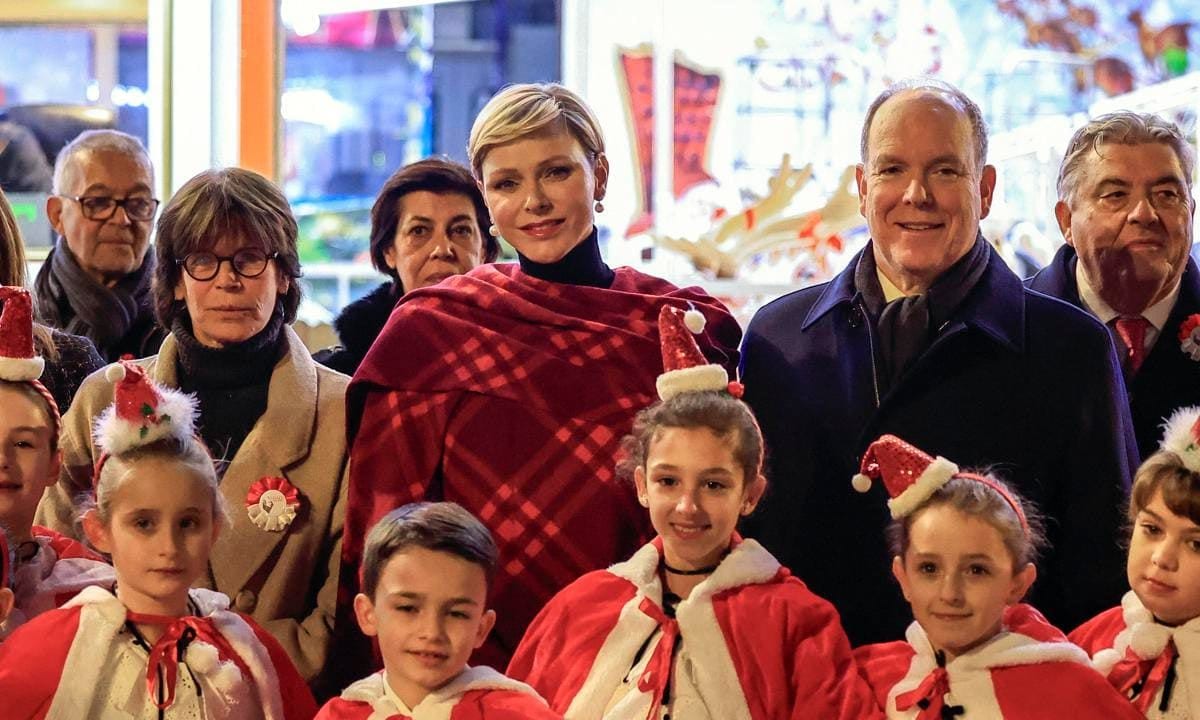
(226, 286)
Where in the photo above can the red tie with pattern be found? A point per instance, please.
(1132, 331)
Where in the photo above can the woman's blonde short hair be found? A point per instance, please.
(525, 109)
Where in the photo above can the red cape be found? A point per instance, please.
(510, 395)
(751, 629)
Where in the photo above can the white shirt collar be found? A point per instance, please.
(1157, 313)
(890, 291)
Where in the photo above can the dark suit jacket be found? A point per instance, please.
(1014, 380)
(1168, 378)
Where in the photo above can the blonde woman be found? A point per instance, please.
(508, 389)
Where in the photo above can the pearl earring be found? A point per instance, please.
(493, 231)
(599, 206)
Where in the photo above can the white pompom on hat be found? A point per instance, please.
(909, 474)
(142, 411)
(685, 369)
(18, 360)
(1181, 435)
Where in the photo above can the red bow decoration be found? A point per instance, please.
(168, 651)
(1133, 671)
(658, 670)
(930, 695)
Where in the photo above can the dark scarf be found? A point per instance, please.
(230, 383)
(582, 266)
(72, 301)
(906, 326)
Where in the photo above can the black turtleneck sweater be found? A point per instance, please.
(582, 266)
(230, 383)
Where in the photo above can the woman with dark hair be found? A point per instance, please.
(429, 222)
(69, 358)
(226, 285)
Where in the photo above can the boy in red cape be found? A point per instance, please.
(425, 583)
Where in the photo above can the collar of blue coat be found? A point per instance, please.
(996, 306)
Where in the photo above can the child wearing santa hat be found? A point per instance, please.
(963, 549)
(1149, 647)
(49, 568)
(151, 646)
(425, 575)
(699, 623)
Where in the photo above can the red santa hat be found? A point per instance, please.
(909, 474)
(1181, 435)
(142, 411)
(18, 361)
(685, 369)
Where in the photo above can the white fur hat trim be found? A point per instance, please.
(694, 379)
(935, 475)
(1178, 438)
(21, 369)
(177, 412)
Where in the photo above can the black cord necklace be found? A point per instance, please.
(702, 571)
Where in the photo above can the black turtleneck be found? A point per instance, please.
(582, 266)
(230, 383)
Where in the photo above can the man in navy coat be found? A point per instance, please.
(928, 335)
(1125, 209)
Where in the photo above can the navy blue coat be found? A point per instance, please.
(1015, 380)
(1168, 379)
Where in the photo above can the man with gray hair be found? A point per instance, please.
(929, 336)
(1125, 209)
(96, 280)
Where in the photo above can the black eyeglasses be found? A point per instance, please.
(247, 262)
(103, 207)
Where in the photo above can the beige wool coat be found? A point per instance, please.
(287, 580)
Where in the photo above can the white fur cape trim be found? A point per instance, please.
(1178, 438)
(1148, 639)
(102, 617)
(970, 674)
(38, 584)
(438, 704)
(935, 475)
(177, 412)
(716, 675)
(694, 379)
(21, 369)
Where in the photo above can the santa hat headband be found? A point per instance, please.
(1181, 435)
(911, 476)
(142, 412)
(19, 362)
(685, 369)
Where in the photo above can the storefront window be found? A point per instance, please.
(368, 91)
(94, 77)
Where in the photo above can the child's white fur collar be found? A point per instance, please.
(748, 563)
(437, 704)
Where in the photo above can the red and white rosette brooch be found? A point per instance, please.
(272, 503)
(1189, 337)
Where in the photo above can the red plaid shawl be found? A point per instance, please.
(509, 395)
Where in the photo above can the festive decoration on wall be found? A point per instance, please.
(765, 227)
(695, 94)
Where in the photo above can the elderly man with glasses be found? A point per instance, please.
(96, 280)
